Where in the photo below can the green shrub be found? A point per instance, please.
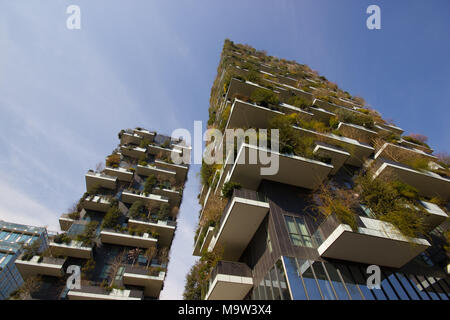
(228, 188)
(163, 212)
(413, 140)
(136, 209)
(298, 102)
(144, 143)
(264, 97)
(150, 183)
(111, 217)
(355, 118)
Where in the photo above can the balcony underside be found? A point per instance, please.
(292, 170)
(337, 156)
(240, 223)
(33, 268)
(227, 287)
(106, 182)
(427, 183)
(122, 175)
(245, 115)
(381, 245)
(165, 231)
(152, 284)
(98, 293)
(60, 249)
(127, 240)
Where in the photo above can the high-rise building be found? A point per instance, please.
(352, 195)
(120, 231)
(13, 238)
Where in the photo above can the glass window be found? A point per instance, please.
(298, 231)
(324, 284)
(418, 287)
(398, 287)
(422, 284)
(268, 287)
(13, 237)
(262, 291)
(337, 282)
(275, 286)
(361, 278)
(282, 281)
(3, 234)
(295, 281)
(408, 287)
(312, 288)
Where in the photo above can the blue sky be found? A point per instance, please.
(65, 94)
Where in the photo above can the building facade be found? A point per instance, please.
(352, 193)
(13, 237)
(120, 231)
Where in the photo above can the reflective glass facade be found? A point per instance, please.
(12, 237)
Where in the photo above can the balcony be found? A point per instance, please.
(151, 199)
(94, 179)
(165, 229)
(165, 152)
(74, 249)
(239, 222)
(96, 203)
(359, 151)
(133, 151)
(391, 128)
(428, 183)
(180, 169)
(388, 150)
(337, 155)
(229, 281)
(292, 170)
(150, 136)
(375, 242)
(202, 244)
(174, 196)
(410, 144)
(138, 276)
(125, 239)
(363, 134)
(99, 293)
(121, 173)
(321, 114)
(434, 215)
(244, 115)
(151, 169)
(65, 222)
(46, 266)
(130, 138)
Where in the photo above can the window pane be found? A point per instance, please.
(305, 270)
(336, 281)
(268, 287)
(425, 286)
(388, 289)
(415, 283)
(361, 279)
(398, 288)
(275, 284)
(282, 281)
(302, 227)
(295, 281)
(407, 285)
(290, 224)
(296, 240)
(323, 281)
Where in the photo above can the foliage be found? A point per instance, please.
(206, 173)
(228, 188)
(113, 160)
(31, 250)
(418, 163)
(88, 234)
(264, 97)
(74, 215)
(144, 143)
(62, 238)
(163, 212)
(298, 102)
(150, 183)
(111, 218)
(417, 139)
(355, 118)
(136, 209)
(193, 285)
(88, 268)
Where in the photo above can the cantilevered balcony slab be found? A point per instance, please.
(152, 199)
(358, 151)
(121, 173)
(292, 170)
(151, 169)
(65, 222)
(133, 151)
(141, 278)
(390, 150)
(96, 203)
(165, 229)
(74, 249)
(165, 152)
(46, 267)
(391, 127)
(375, 242)
(99, 293)
(363, 134)
(130, 138)
(245, 115)
(428, 183)
(181, 170)
(288, 109)
(337, 155)
(229, 281)
(321, 114)
(125, 239)
(241, 218)
(200, 245)
(148, 135)
(308, 97)
(174, 196)
(410, 144)
(94, 179)
(434, 215)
